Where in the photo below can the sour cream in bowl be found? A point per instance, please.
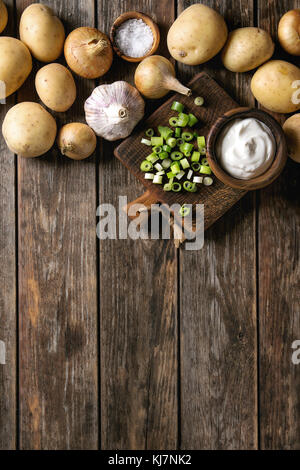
(246, 148)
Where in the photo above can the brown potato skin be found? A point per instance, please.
(291, 129)
(289, 32)
(42, 32)
(56, 87)
(272, 86)
(197, 35)
(246, 49)
(3, 16)
(77, 141)
(15, 63)
(29, 130)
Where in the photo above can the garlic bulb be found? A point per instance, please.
(112, 111)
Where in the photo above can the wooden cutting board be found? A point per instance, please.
(218, 198)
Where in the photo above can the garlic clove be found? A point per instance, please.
(113, 111)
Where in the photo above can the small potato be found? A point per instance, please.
(15, 64)
(291, 129)
(29, 130)
(3, 16)
(42, 32)
(197, 35)
(246, 49)
(56, 87)
(274, 85)
(77, 141)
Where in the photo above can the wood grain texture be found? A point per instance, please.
(7, 278)
(218, 303)
(218, 198)
(279, 274)
(58, 282)
(138, 291)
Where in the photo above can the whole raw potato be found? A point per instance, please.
(291, 129)
(56, 87)
(42, 32)
(15, 64)
(3, 16)
(29, 130)
(246, 49)
(274, 85)
(197, 35)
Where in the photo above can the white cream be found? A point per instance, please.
(245, 148)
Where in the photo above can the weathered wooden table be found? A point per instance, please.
(135, 345)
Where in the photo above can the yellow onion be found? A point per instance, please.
(77, 141)
(3, 16)
(289, 32)
(88, 52)
(155, 77)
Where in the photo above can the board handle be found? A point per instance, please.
(145, 202)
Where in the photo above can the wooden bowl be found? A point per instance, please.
(129, 15)
(279, 160)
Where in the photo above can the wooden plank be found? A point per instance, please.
(279, 273)
(7, 279)
(138, 299)
(218, 303)
(58, 283)
(218, 198)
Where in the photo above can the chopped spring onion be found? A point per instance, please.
(167, 148)
(195, 157)
(165, 132)
(171, 180)
(160, 173)
(184, 163)
(168, 187)
(196, 166)
(152, 158)
(173, 121)
(157, 149)
(180, 175)
(176, 155)
(192, 120)
(195, 134)
(163, 155)
(204, 162)
(198, 179)
(182, 120)
(149, 176)
(171, 142)
(187, 136)
(175, 168)
(208, 181)
(176, 187)
(203, 151)
(178, 132)
(189, 186)
(146, 142)
(157, 141)
(170, 175)
(176, 106)
(190, 174)
(146, 166)
(199, 101)
(166, 163)
(157, 179)
(150, 133)
(186, 147)
(180, 141)
(205, 170)
(184, 211)
(201, 142)
(158, 167)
